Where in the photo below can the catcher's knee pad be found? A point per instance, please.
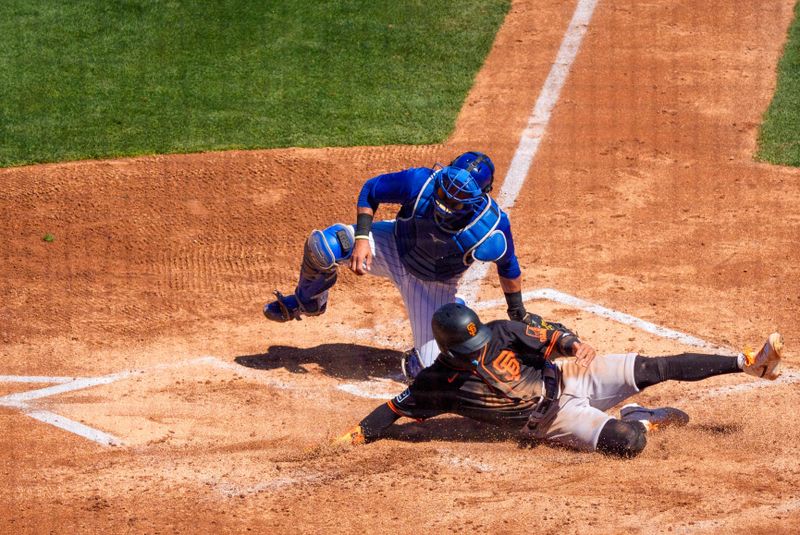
(324, 248)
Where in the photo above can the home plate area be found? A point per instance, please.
(255, 397)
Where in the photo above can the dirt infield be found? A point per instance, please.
(643, 197)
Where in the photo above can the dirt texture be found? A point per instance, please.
(643, 197)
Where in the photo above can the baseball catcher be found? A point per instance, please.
(504, 373)
(447, 221)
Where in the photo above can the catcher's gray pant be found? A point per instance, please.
(420, 297)
(586, 393)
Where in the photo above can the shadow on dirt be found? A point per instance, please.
(343, 361)
(450, 429)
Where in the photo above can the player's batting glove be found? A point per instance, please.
(354, 437)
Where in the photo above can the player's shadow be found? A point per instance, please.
(343, 361)
(450, 429)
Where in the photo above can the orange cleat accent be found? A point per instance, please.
(354, 437)
(766, 363)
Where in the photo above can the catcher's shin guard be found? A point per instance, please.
(411, 365)
(323, 251)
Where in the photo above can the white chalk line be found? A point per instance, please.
(534, 132)
(34, 379)
(373, 388)
(77, 428)
(19, 400)
(77, 384)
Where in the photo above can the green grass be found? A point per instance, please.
(779, 139)
(100, 78)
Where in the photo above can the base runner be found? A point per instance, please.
(503, 373)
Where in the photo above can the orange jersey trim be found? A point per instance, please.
(394, 409)
(556, 336)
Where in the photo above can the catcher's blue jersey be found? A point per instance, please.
(428, 251)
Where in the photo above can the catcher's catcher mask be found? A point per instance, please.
(456, 196)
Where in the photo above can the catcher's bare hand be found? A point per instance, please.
(361, 261)
(584, 353)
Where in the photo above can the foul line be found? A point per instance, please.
(534, 131)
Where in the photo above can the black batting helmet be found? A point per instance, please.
(458, 330)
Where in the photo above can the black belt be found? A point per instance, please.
(550, 378)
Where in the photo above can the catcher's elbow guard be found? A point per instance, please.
(354, 437)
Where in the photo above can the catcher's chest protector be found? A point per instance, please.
(431, 253)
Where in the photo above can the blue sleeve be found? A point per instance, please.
(508, 265)
(394, 188)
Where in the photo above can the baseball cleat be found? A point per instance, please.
(288, 308)
(654, 418)
(354, 437)
(766, 363)
(411, 365)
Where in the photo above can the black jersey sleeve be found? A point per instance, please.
(377, 422)
(428, 396)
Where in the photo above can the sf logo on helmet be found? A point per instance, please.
(471, 329)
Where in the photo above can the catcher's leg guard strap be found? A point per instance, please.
(625, 439)
(648, 371)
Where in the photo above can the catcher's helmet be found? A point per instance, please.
(458, 330)
(479, 165)
(456, 195)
